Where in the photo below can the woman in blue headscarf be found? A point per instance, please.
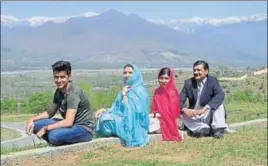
(128, 117)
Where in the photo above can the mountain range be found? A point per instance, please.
(112, 39)
(186, 25)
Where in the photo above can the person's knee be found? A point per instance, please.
(38, 125)
(54, 139)
(105, 129)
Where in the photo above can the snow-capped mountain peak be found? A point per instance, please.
(39, 20)
(215, 21)
(90, 14)
(8, 20)
(189, 25)
(186, 25)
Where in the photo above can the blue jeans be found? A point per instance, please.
(64, 135)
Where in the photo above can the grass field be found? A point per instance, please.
(243, 111)
(247, 147)
(8, 134)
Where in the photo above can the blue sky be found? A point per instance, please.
(145, 9)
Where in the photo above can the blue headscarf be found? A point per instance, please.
(133, 128)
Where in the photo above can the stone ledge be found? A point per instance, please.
(247, 123)
(50, 151)
(87, 146)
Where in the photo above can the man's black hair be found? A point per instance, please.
(62, 66)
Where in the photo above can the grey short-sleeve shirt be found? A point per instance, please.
(75, 98)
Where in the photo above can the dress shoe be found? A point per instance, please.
(218, 133)
(204, 132)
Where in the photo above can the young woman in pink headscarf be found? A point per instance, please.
(166, 105)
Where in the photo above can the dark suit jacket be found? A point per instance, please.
(212, 93)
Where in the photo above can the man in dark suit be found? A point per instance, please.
(205, 114)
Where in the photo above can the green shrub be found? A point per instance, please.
(103, 98)
(245, 96)
(36, 103)
(100, 98)
(8, 105)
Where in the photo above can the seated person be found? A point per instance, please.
(128, 117)
(166, 105)
(77, 124)
(206, 113)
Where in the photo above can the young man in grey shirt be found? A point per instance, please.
(77, 124)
